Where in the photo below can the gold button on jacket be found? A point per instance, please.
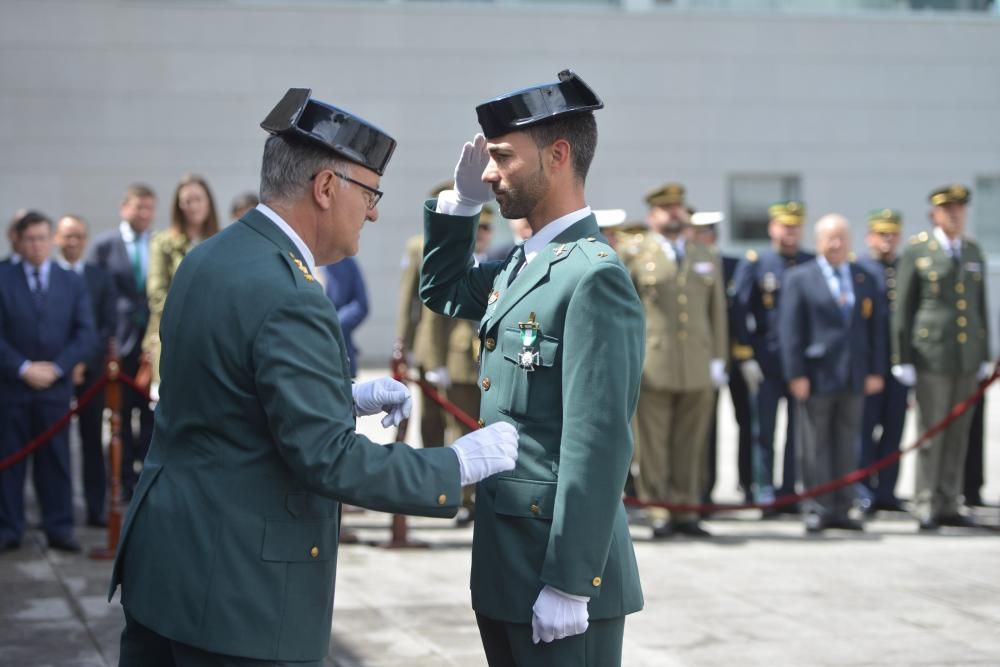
(314, 552)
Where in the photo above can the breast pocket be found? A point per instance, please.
(530, 395)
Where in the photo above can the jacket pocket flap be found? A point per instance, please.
(548, 347)
(525, 497)
(303, 540)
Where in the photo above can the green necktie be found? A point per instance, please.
(140, 279)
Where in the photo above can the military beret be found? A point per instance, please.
(523, 108)
(322, 124)
(885, 220)
(792, 213)
(950, 194)
(666, 195)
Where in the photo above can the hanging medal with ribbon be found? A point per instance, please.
(528, 357)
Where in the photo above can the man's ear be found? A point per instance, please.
(560, 153)
(324, 189)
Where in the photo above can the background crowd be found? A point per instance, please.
(841, 337)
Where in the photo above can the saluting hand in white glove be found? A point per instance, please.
(557, 615)
(486, 452)
(382, 395)
(469, 184)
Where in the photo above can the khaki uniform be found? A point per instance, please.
(166, 250)
(685, 329)
(940, 326)
(424, 333)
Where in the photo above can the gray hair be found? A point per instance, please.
(288, 166)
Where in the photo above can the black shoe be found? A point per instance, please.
(67, 544)
(893, 505)
(956, 520)
(9, 545)
(663, 530)
(691, 529)
(974, 500)
(928, 525)
(846, 524)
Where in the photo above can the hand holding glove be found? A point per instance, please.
(717, 371)
(382, 395)
(557, 615)
(752, 374)
(905, 374)
(469, 184)
(486, 452)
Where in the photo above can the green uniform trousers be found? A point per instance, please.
(141, 647)
(941, 462)
(510, 645)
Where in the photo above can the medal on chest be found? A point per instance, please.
(527, 358)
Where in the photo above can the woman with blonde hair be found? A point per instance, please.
(192, 219)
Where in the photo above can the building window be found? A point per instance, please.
(750, 195)
(985, 222)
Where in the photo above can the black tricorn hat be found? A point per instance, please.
(519, 109)
(347, 135)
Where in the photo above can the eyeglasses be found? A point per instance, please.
(373, 195)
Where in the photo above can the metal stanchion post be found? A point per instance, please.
(113, 401)
(400, 537)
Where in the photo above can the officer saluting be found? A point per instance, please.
(756, 288)
(553, 570)
(885, 412)
(941, 345)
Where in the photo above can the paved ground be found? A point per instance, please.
(759, 593)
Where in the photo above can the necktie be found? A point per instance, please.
(844, 287)
(956, 253)
(38, 292)
(516, 261)
(679, 252)
(140, 278)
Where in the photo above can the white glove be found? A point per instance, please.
(486, 452)
(382, 395)
(469, 184)
(556, 615)
(752, 374)
(438, 377)
(154, 393)
(905, 374)
(717, 371)
(985, 370)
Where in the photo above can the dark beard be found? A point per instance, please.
(521, 199)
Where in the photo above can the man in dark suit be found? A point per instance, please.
(71, 238)
(345, 287)
(229, 550)
(832, 334)
(46, 328)
(124, 254)
(885, 413)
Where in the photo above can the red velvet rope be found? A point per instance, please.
(60, 424)
(850, 478)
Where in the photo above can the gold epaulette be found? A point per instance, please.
(741, 352)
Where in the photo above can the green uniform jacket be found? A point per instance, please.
(685, 306)
(230, 542)
(558, 517)
(940, 321)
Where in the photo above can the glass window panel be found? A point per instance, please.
(750, 195)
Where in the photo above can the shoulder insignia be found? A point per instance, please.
(752, 255)
(302, 267)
